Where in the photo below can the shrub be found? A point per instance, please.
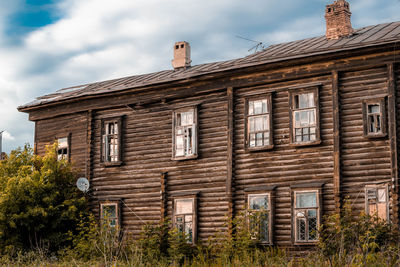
(39, 202)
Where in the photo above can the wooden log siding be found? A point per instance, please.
(147, 139)
(75, 125)
(363, 160)
(285, 165)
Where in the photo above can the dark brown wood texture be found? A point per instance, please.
(364, 160)
(345, 161)
(74, 125)
(285, 165)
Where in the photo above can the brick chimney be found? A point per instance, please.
(181, 55)
(338, 23)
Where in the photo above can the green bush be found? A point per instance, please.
(39, 202)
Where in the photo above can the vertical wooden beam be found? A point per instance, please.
(229, 167)
(35, 144)
(392, 123)
(336, 141)
(89, 144)
(164, 200)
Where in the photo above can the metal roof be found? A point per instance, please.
(363, 37)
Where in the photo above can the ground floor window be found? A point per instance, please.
(110, 213)
(185, 217)
(306, 215)
(376, 201)
(259, 214)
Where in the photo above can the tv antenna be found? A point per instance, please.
(258, 45)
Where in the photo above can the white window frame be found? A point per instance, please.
(258, 213)
(296, 211)
(294, 110)
(249, 116)
(190, 144)
(185, 216)
(368, 190)
(115, 137)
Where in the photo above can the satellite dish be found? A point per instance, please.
(83, 184)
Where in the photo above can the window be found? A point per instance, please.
(110, 213)
(304, 117)
(185, 134)
(111, 141)
(259, 209)
(306, 216)
(63, 148)
(376, 201)
(258, 123)
(185, 217)
(374, 116)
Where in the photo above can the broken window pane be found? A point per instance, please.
(62, 148)
(185, 132)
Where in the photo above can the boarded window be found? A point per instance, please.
(259, 209)
(306, 216)
(377, 201)
(374, 116)
(304, 116)
(185, 133)
(110, 213)
(184, 217)
(63, 148)
(258, 122)
(111, 140)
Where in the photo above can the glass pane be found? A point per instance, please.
(109, 211)
(306, 130)
(115, 128)
(298, 131)
(312, 228)
(306, 200)
(298, 138)
(189, 231)
(312, 130)
(266, 122)
(184, 206)
(301, 229)
(374, 109)
(312, 213)
(304, 118)
(266, 138)
(382, 195)
(303, 101)
(264, 106)
(259, 123)
(312, 116)
(251, 107)
(259, 139)
(62, 142)
(258, 107)
(313, 137)
(310, 100)
(296, 119)
(251, 124)
(257, 202)
(252, 142)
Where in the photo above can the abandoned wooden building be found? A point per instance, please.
(290, 131)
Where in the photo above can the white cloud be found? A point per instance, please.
(8, 136)
(101, 39)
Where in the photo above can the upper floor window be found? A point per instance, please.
(185, 217)
(374, 117)
(63, 148)
(377, 201)
(259, 209)
(110, 213)
(258, 123)
(185, 133)
(306, 215)
(304, 117)
(111, 141)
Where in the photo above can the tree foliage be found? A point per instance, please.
(39, 202)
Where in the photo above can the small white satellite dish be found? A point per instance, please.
(83, 184)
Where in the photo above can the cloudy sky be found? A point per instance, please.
(46, 45)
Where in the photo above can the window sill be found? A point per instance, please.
(375, 136)
(184, 158)
(261, 148)
(306, 243)
(112, 164)
(313, 143)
